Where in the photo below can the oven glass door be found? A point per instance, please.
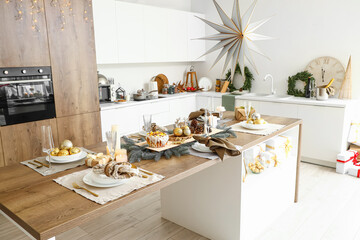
(26, 101)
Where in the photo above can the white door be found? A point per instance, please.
(130, 32)
(105, 31)
(177, 36)
(155, 31)
(279, 109)
(322, 131)
(196, 29)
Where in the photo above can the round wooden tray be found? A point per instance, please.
(161, 79)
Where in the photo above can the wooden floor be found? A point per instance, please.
(328, 208)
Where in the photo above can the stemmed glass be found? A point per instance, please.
(47, 141)
(147, 122)
(111, 142)
(247, 108)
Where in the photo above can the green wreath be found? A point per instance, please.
(301, 76)
(248, 78)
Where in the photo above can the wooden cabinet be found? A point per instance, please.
(73, 61)
(20, 44)
(82, 130)
(23, 141)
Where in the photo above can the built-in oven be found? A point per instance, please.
(26, 95)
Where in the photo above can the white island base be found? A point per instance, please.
(217, 204)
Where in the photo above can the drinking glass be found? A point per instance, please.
(47, 141)
(206, 122)
(247, 108)
(111, 142)
(147, 122)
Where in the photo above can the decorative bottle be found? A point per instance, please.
(308, 88)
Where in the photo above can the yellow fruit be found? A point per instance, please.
(329, 84)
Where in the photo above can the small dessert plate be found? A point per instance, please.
(201, 148)
(246, 125)
(102, 181)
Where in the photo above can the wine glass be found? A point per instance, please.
(147, 122)
(247, 108)
(111, 142)
(47, 141)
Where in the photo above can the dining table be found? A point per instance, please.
(43, 209)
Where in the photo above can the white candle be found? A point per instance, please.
(115, 128)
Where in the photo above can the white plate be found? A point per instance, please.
(237, 92)
(201, 148)
(68, 159)
(253, 126)
(101, 182)
(205, 83)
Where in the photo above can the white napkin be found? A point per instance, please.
(106, 194)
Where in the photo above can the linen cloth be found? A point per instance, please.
(210, 156)
(55, 167)
(106, 194)
(264, 132)
(220, 146)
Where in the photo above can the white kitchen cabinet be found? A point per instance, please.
(155, 34)
(209, 102)
(130, 30)
(181, 108)
(136, 33)
(177, 35)
(322, 132)
(105, 31)
(278, 109)
(196, 29)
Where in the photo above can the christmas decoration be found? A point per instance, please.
(236, 36)
(249, 77)
(301, 76)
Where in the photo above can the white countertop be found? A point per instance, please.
(331, 102)
(111, 105)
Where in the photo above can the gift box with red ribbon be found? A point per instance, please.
(346, 160)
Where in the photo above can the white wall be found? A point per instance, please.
(136, 76)
(304, 30)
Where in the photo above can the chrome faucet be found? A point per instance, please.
(273, 91)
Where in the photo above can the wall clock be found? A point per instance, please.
(324, 69)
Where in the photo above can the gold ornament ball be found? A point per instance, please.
(66, 144)
(178, 132)
(187, 131)
(74, 150)
(63, 152)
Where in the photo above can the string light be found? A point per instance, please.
(87, 8)
(63, 5)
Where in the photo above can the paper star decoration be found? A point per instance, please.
(237, 36)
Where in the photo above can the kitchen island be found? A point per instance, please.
(43, 209)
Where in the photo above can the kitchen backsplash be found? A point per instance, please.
(136, 76)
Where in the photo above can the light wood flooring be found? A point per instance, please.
(328, 208)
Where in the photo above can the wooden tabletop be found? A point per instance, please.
(45, 209)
